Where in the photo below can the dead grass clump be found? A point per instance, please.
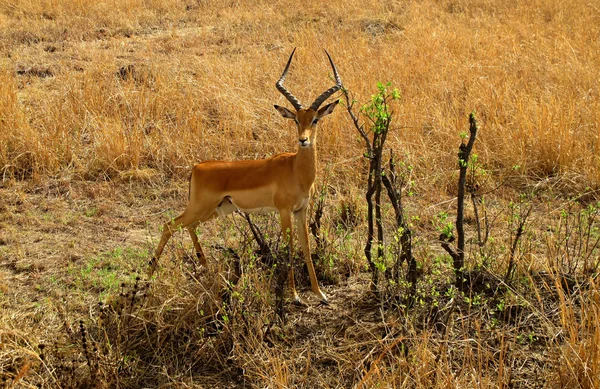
(16, 359)
(182, 324)
(66, 20)
(578, 358)
(35, 71)
(21, 152)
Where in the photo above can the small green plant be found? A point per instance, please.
(475, 300)
(378, 117)
(443, 225)
(501, 305)
(520, 211)
(574, 238)
(378, 110)
(91, 212)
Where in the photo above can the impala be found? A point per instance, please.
(281, 183)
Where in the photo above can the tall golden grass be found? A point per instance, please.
(202, 86)
(108, 90)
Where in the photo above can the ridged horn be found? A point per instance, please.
(325, 95)
(279, 85)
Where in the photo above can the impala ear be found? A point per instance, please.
(286, 113)
(326, 110)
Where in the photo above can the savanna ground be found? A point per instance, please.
(105, 106)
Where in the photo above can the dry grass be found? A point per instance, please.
(202, 70)
(104, 106)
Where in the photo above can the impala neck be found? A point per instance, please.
(305, 166)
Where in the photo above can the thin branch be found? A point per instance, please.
(359, 127)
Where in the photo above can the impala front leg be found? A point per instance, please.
(286, 230)
(302, 227)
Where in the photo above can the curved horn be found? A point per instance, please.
(325, 95)
(279, 85)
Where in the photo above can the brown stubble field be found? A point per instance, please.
(105, 106)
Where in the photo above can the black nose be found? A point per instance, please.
(303, 140)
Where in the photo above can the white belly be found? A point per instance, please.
(227, 206)
(262, 210)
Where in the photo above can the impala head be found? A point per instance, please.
(307, 118)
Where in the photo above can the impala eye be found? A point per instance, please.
(315, 121)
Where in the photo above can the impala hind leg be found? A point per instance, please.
(224, 207)
(183, 220)
(302, 227)
(199, 253)
(194, 213)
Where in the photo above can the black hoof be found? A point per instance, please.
(299, 303)
(151, 267)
